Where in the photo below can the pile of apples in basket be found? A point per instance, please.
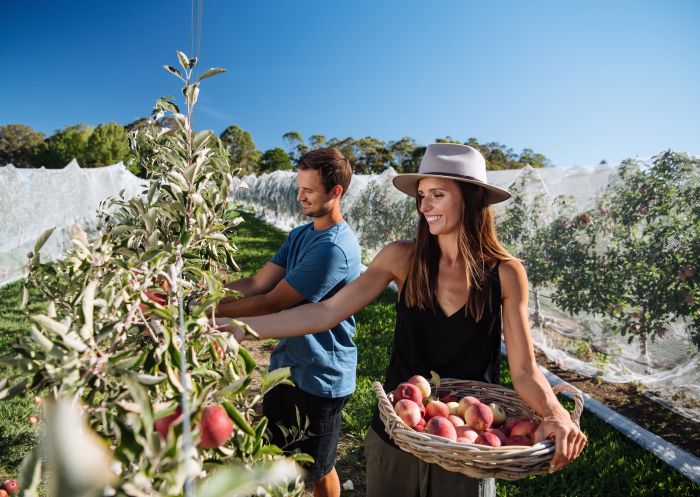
(465, 420)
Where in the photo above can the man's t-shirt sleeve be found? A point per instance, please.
(280, 257)
(321, 269)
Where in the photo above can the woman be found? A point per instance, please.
(457, 285)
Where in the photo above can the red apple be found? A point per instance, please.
(498, 432)
(162, 425)
(525, 428)
(478, 416)
(441, 427)
(436, 408)
(456, 420)
(10, 486)
(3, 493)
(489, 439)
(511, 422)
(408, 391)
(465, 402)
(422, 384)
(215, 427)
(152, 296)
(466, 434)
(408, 411)
(517, 440)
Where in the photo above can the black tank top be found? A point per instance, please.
(454, 346)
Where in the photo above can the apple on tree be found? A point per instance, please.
(10, 486)
(215, 427)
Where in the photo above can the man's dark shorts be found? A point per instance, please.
(320, 438)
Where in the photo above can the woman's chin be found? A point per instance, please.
(434, 230)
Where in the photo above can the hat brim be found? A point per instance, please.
(408, 184)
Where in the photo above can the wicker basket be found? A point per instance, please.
(477, 461)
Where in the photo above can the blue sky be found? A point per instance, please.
(579, 81)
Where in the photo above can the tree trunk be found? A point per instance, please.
(537, 318)
(643, 343)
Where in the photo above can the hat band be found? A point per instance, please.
(455, 175)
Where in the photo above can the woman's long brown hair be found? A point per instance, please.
(478, 245)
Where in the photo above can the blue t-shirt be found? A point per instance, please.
(317, 265)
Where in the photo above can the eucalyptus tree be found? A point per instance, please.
(296, 145)
(63, 146)
(108, 144)
(316, 141)
(274, 159)
(18, 143)
(243, 153)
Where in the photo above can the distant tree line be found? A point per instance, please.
(109, 143)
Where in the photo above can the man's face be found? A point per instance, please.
(315, 201)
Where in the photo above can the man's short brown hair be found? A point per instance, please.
(333, 167)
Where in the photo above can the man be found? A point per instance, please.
(315, 262)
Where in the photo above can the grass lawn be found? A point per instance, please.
(610, 465)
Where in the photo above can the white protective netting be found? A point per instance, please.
(669, 370)
(34, 200)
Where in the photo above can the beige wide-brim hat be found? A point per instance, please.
(455, 162)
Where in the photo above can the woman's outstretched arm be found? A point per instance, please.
(321, 316)
(528, 380)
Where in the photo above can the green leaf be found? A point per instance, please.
(140, 396)
(435, 379)
(184, 61)
(149, 379)
(24, 300)
(235, 481)
(211, 72)
(42, 239)
(88, 306)
(50, 324)
(276, 377)
(247, 359)
(238, 419)
(201, 138)
(14, 390)
(38, 337)
(174, 71)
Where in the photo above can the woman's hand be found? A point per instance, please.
(228, 325)
(568, 437)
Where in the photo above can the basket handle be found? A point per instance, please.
(578, 399)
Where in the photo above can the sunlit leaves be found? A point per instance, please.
(111, 333)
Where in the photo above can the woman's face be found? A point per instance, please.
(441, 204)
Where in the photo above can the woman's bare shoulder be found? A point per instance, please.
(513, 276)
(395, 256)
(400, 246)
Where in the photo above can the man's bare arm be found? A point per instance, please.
(283, 296)
(261, 282)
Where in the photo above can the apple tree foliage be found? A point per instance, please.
(111, 336)
(529, 226)
(634, 257)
